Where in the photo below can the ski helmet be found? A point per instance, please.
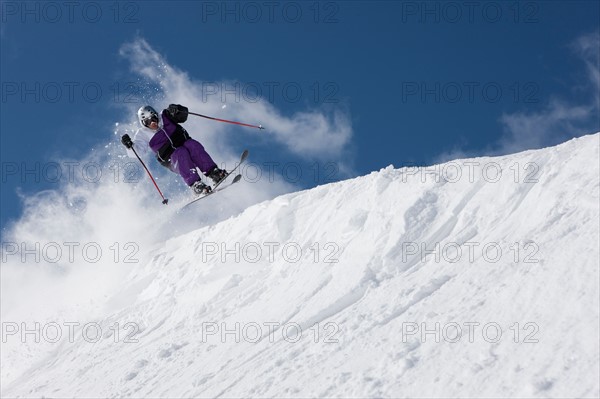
(147, 114)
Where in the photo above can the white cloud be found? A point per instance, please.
(588, 48)
(560, 119)
(322, 134)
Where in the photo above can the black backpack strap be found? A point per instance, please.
(179, 136)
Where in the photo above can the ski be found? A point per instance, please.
(216, 188)
(242, 159)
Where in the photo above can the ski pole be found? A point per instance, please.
(126, 140)
(226, 121)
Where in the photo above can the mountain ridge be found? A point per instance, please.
(446, 280)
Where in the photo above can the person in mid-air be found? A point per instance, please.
(174, 148)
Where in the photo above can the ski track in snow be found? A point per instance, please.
(353, 309)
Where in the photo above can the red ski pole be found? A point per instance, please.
(226, 121)
(126, 140)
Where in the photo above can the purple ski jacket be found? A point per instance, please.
(164, 134)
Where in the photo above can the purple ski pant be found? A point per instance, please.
(186, 158)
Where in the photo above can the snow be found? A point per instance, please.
(474, 278)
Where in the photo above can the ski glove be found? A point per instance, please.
(126, 140)
(178, 113)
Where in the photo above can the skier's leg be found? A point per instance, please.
(181, 161)
(199, 156)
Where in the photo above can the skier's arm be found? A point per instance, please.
(140, 142)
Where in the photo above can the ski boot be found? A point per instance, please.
(200, 188)
(217, 175)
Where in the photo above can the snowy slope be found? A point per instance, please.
(454, 280)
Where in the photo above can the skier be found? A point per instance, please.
(174, 148)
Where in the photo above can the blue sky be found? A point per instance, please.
(344, 88)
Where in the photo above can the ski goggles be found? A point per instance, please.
(148, 121)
